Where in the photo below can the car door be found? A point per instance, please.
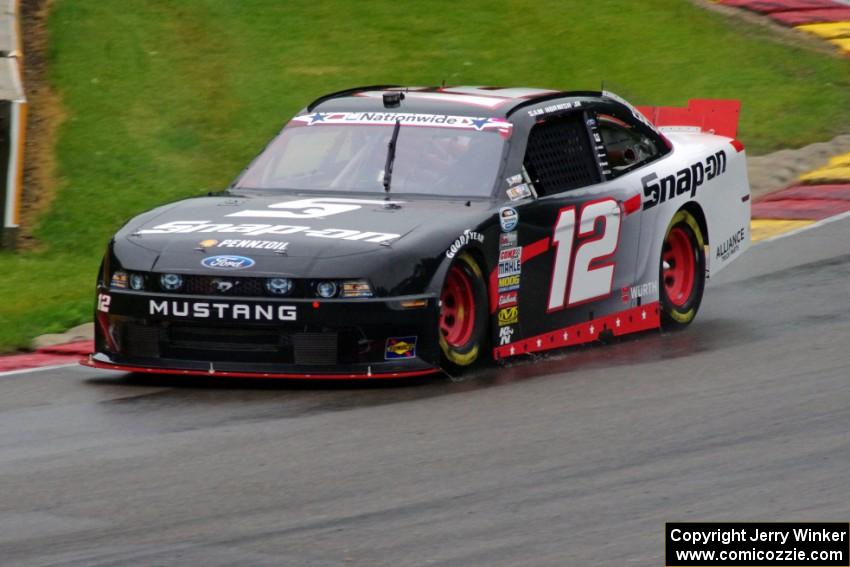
(579, 237)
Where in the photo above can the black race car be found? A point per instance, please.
(392, 231)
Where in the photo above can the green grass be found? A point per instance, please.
(169, 99)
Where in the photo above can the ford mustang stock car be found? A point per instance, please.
(390, 231)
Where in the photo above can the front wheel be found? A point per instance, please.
(463, 314)
(682, 271)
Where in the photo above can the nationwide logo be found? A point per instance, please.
(223, 311)
(227, 262)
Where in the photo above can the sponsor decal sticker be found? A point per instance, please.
(508, 316)
(684, 182)
(204, 226)
(508, 283)
(510, 268)
(227, 262)
(212, 310)
(554, 108)
(505, 335)
(507, 240)
(731, 245)
(508, 299)
(119, 280)
(500, 125)
(400, 347)
(462, 240)
(508, 218)
(519, 192)
(640, 291)
(514, 179)
(253, 244)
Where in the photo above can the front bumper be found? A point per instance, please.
(265, 337)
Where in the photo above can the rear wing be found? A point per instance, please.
(718, 117)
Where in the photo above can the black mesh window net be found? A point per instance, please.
(559, 156)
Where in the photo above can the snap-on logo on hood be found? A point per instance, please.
(227, 262)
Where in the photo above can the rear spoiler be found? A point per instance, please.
(718, 117)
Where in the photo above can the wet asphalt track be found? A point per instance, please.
(577, 459)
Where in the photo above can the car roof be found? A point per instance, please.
(459, 100)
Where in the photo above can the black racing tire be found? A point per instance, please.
(681, 271)
(464, 316)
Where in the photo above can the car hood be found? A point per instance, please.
(298, 236)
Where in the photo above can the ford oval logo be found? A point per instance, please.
(227, 262)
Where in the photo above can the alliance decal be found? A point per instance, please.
(234, 311)
(227, 262)
(462, 240)
(183, 227)
(730, 245)
(684, 181)
(400, 347)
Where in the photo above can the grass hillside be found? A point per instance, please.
(168, 99)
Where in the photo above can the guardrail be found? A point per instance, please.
(13, 112)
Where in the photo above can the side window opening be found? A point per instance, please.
(559, 156)
(625, 147)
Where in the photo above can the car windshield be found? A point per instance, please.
(435, 154)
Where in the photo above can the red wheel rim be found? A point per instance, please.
(678, 269)
(457, 315)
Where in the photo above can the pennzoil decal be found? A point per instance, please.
(400, 347)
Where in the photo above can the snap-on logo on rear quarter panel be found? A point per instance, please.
(227, 262)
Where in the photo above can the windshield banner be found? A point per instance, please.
(407, 119)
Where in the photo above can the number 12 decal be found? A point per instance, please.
(587, 283)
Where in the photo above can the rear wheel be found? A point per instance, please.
(463, 314)
(682, 271)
